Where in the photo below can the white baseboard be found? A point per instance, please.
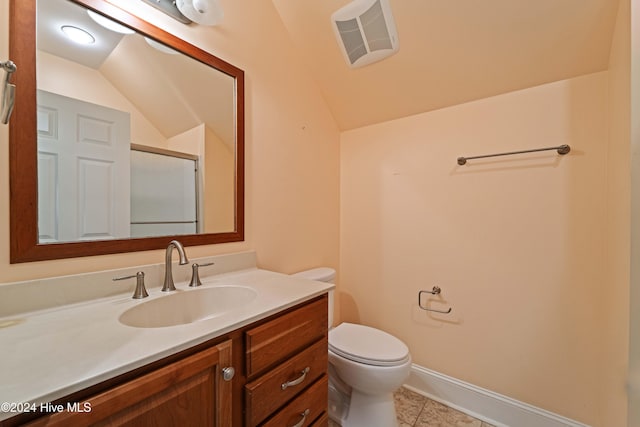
(485, 405)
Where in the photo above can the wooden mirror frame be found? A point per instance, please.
(25, 246)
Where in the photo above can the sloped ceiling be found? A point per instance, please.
(175, 93)
(451, 52)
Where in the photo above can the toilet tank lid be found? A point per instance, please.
(320, 274)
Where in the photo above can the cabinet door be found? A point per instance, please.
(190, 392)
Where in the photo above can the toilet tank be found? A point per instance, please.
(321, 274)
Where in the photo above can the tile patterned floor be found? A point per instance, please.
(415, 410)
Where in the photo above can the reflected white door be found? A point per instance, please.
(83, 170)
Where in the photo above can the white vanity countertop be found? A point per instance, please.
(49, 354)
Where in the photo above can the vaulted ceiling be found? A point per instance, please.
(152, 80)
(451, 52)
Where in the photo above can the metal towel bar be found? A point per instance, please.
(561, 149)
(434, 291)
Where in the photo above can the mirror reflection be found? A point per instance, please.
(135, 139)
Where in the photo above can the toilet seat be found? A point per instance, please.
(367, 345)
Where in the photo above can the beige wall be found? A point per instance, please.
(191, 141)
(291, 151)
(219, 183)
(615, 295)
(515, 243)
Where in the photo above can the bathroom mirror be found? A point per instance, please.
(121, 144)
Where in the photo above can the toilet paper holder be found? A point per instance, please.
(434, 291)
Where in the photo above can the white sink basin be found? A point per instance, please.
(182, 307)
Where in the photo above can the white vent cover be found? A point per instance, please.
(366, 31)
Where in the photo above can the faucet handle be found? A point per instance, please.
(141, 291)
(195, 276)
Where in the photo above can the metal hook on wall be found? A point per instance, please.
(434, 291)
(8, 91)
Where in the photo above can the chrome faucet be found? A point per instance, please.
(168, 274)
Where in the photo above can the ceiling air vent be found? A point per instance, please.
(366, 31)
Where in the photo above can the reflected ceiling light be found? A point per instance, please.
(161, 47)
(204, 12)
(78, 35)
(109, 24)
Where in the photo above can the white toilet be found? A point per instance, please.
(366, 365)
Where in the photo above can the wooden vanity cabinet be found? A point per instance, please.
(188, 388)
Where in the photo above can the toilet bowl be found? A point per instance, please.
(366, 365)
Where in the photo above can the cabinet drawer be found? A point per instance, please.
(267, 394)
(314, 399)
(323, 421)
(280, 338)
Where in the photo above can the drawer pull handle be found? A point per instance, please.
(298, 380)
(304, 418)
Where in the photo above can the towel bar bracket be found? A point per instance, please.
(8, 91)
(434, 291)
(9, 66)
